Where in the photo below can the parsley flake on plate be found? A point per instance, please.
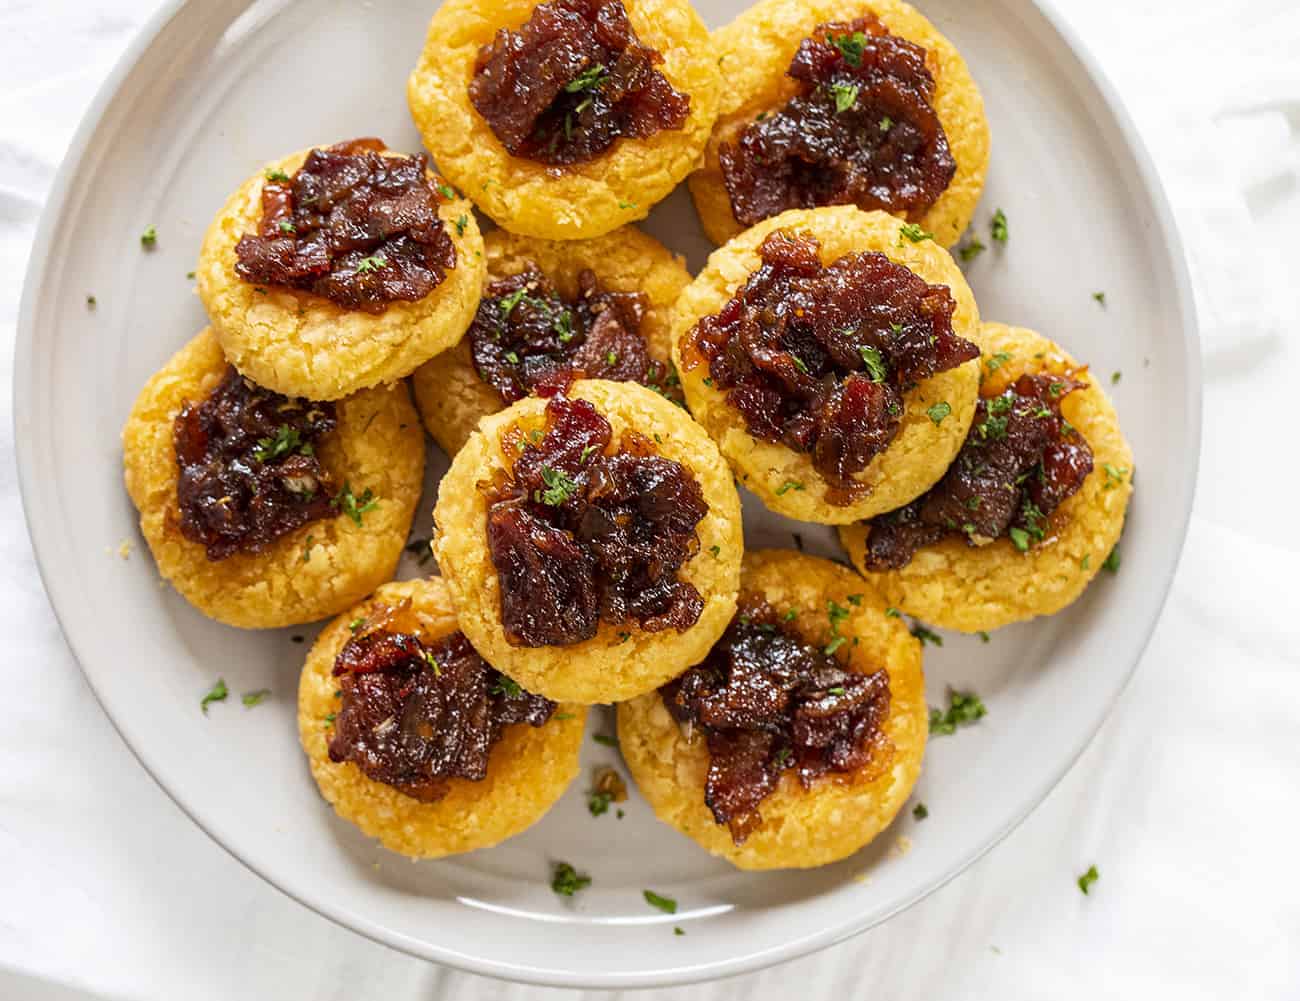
(566, 880)
(666, 904)
(217, 693)
(964, 709)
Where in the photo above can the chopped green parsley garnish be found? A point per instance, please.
(559, 488)
(716, 551)
(461, 222)
(562, 324)
(939, 411)
(256, 698)
(446, 190)
(1112, 561)
(836, 614)
(677, 930)
(356, 624)
(998, 226)
(598, 802)
(1019, 538)
(666, 904)
(276, 174)
(149, 237)
(306, 549)
(604, 738)
(352, 505)
(287, 227)
(91, 301)
(971, 249)
(508, 303)
(984, 637)
(926, 635)
(611, 358)
(845, 94)
(1114, 474)
(851, 46)
(1115, 377)
(920, 812)
(586, 454)
(512, 358)
(787, 486)
(588, 79)
(507, 687)
(369, 264)
(915, 233)
(799, 363)
(286, 440)
(874, 362)
(331, 717)
(1088, 878)
(217, 693)
(566, 880)
(893, 612)
(886, 123)
(964, 709)
(996, 361)
(626, 205)
(1101, 298)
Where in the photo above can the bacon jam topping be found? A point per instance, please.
(570, 81)
(860, 130)
(357, 227)
(415, 714)
(248, 472)
(818, 358)
(1020, 462)
(579, 536)
(767, 700)
(526, 336)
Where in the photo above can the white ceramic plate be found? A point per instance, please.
(213, 89)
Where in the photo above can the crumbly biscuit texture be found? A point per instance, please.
(580, 200)
(620, 661)
(839, 814)
(528, 770)
(978, 588)
(783, 479)
(313, 572)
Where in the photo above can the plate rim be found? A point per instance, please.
(24, 360)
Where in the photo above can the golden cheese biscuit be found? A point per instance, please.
(578, 200)
(620, 661)
(312, 572)
(978, 588)
(840, 812)
(301, 344)
(528, 770)
(755, 51)
(785, 480)
(448, 392)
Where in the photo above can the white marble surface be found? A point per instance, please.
(1188, 801)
